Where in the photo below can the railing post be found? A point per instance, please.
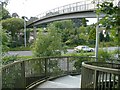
(118, 82)
(68, 65)
(46, 71)
(95, 79)
(23, 81)
(35, 32)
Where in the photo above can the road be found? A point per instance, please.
(29, 53)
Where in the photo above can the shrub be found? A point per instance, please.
(9, 59)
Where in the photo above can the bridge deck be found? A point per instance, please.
(71, 82)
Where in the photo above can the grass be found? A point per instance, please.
(24, 57)
(80, 54)
(22, 48)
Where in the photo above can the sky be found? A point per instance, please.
(31, 8)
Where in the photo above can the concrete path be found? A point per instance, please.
(66, 82)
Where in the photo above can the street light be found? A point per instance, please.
(25, 30)
(97, 33)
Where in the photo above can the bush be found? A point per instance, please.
(9, 59)
(105, 55)
(48, 44)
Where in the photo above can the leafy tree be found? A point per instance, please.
(112, 18)
(5, 41)
(92, 33)
(13, 26)
(79, 22)
(4, 13)
(101, 37)
(47, 44)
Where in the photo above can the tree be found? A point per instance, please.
(79, 22)
(13, 26)
(92, 32)
(101, 37)
(111, 19)
(4, 13)
(48, 44)
(5, 41)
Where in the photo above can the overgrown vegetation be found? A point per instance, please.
(48, 44)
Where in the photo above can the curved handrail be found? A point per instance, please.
(103, 66)
(100, 75)
(25, 73)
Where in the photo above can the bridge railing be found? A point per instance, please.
(70, 8)
(24, 74)
(100, 76)
(74, 7)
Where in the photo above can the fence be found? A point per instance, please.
(24, 74)
(100, 76)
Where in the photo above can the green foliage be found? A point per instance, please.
(5, 41)
(111, 20)
(71, 33)
(4, 13)
(9, 59)
(82, 54)
(24, 57)
(92, 33)
(79, 22)
(21, 48)
(13, 25)
(107, 44)
(78, 61)
(48, 44)
(105, 55)
(111, 12)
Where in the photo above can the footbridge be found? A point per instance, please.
(83, 9)
(75, 10)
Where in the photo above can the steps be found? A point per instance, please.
(71, 82)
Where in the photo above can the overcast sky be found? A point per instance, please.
(31, 8)
(34, 7)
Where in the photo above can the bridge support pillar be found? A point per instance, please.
(35, 32)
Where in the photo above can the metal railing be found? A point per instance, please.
(100, 76)
(24, 74)
(74, 7)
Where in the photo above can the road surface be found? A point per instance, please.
(29, 53)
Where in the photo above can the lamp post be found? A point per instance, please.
(24, 18)
(97, 32)
(24, 31)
